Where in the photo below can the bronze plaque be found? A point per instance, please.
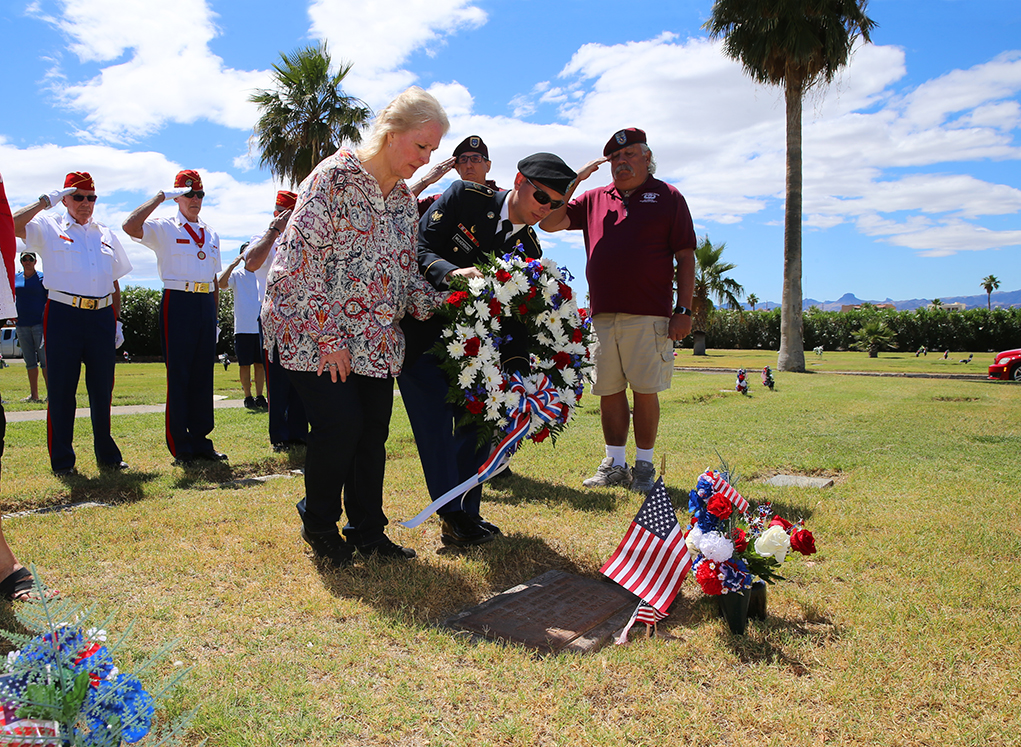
(553, 612)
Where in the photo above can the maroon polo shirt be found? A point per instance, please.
(631, 245)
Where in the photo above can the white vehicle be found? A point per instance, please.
(9, 345)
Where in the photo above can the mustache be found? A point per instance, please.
(622, 167)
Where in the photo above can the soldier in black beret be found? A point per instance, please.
(467, 223)
(470, 161)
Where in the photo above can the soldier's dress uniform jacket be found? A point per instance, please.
(459, 230)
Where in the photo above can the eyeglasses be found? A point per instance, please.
(473, 159)
(80, 198)
(28, 259)
(543, 198)
(194, 193)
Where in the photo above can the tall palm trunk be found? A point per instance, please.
(792, 344)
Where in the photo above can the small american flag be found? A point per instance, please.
(652, 559)
(643, 614)
(736, 499)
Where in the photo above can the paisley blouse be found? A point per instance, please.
(346, 272)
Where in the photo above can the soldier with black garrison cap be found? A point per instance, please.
(467, 223)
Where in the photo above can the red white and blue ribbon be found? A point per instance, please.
(538, 398)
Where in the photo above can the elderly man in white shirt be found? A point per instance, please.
(83, 260)
(188, 259)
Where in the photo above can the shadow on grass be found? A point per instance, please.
(121, 487)
(519, 489)
(427, 593)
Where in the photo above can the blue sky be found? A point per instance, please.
(912, 179)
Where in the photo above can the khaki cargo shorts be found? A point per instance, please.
(633, 350)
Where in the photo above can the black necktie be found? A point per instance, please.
(505, 229)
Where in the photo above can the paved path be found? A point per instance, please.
(84, 412)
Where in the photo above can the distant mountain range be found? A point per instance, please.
(999, 298)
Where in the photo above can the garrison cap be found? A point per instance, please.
(286, 199)
(80, 180)
(547, 169)
(189, 178)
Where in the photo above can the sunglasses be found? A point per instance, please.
(194, 193)
(472, 159)
(544, 199)
(28, 259)
(80, 198)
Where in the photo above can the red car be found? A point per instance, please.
(1007, 366)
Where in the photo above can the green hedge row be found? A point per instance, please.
(936, 329)
(140, 313)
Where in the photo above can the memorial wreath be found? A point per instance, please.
(560, 345)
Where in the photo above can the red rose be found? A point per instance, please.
(561, 360)
(456, 298)
(475, 406)
(565, 410)
(523, 310)
(803, 541)
(471, 348)
(494, 307)
(541, 435)
(531, 293)
(565, 292)
(577, 335)
(719, 506)
(779, 521)
(740, 540)
(707, 577)
(503, 276)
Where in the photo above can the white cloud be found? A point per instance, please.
(169, 74)
(386, 36)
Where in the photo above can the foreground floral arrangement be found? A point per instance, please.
(63, 688)
(561, 342)
(730, 548)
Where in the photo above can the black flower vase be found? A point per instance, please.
(734, 607)
(757, 601)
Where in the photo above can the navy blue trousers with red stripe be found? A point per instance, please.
(73, 337)
(188, 342)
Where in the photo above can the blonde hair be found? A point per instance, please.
(409, 111)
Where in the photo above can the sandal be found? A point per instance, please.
(19, 586)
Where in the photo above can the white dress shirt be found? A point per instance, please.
(178, 255)
(82, 260)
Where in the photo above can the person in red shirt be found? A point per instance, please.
(639, 239)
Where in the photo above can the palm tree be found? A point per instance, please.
(873, 336)
(306, 117)
(989, 284)
(796, 44)
(752, 300)
(710, 283)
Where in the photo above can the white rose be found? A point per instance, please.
(773, 542)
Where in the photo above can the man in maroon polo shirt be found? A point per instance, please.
(636, 230)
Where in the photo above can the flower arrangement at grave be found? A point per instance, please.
(63, 687)
(560, 345)
(731, 548)
(767, 378)
(742, 381)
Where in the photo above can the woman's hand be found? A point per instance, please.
(338, 364)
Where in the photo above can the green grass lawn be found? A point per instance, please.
(903, 629)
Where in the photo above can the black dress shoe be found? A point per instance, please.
(184, 461)
(488, 526)
(212, 456)
(113, 467)
(330, 547)
(461, 530)
(387, 549)
(67, 472)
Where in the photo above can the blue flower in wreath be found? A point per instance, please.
(124, 699)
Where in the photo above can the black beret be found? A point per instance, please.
(474, 144)
(549, 170)
(624, 138)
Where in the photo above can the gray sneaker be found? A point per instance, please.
(609, 474)
(643, 477)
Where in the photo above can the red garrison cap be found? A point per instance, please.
(286, 200)
(189, 178)
(624, 138)
(80, 180)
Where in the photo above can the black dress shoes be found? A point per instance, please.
(212, 456)
(461, 530)
(488, 526)
(386, 549)
(329, 547)
(113, 467)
